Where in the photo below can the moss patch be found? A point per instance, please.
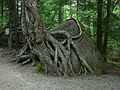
(39, 68)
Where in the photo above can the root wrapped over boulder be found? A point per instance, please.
(85, 53)
(65, 51)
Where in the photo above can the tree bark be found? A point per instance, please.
(99, 26)
(107, 27)
(12, 22)
(2, 4)
(61, 14)
(77, 9)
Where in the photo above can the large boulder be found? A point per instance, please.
(86, 48)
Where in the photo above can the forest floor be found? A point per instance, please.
(16, 77)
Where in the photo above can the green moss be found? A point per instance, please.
(39, 68)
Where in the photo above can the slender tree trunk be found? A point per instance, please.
(13, 21)
(71, 15)
(107, 27)
(2, 10)
(61, 14)
(77, 9)
(17, 9)
(2, 5)
(99, 26)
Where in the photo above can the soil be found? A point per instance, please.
(16, 77)
(112, 70)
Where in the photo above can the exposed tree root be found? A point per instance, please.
(53, 50)
(59, 51)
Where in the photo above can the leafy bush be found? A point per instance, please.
(3, 21)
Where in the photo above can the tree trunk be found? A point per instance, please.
(2, 10)
(2, 4)
(17, 10)
(99, 26)
(61, 14)
(78, 8)
(107, 27)
(57, 51)
(12, 22)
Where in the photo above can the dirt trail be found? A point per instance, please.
(16, 77)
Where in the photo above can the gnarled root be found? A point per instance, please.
(55, 54)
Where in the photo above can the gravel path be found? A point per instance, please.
(16, 77)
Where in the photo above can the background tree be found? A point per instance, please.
(107, 27)
(99, 26)
(12, 21)
(2, 5)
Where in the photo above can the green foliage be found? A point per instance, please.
(3, 21)
(39, 68)
(61, 2)
(48, 9)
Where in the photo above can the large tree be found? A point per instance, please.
(107, 27)
(12, 21)
(2, 5)
(99, 26)
(66, 50)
